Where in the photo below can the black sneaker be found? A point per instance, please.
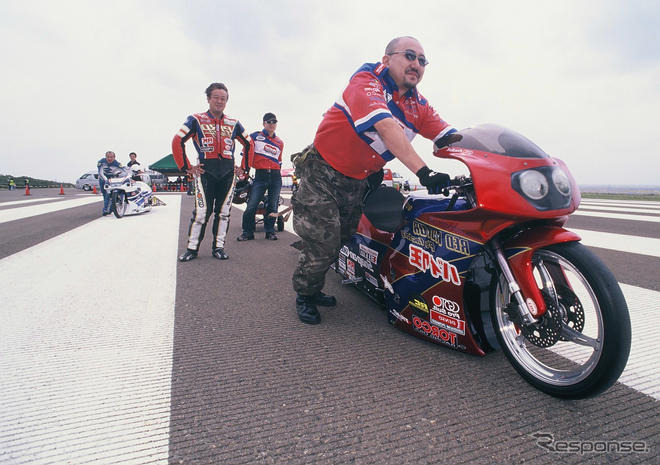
(324, 300)
(307, 311)
(188, 255)
(271, 236)
(244, 237)
(220, 254)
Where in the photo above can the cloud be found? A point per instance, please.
(86, 77)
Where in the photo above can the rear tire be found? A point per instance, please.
(118, 203)
(86, 187)
(592, 304)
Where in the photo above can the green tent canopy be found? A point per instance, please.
(167, 166)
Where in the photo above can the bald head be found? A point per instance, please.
(394, 43)
(404, 56)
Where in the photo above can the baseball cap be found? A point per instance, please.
(269, 116)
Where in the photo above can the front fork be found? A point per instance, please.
(526, 315)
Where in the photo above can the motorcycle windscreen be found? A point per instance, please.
(383, 207)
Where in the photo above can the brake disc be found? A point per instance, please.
(573, 312)
(545, 332)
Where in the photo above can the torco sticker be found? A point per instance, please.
(439, 334)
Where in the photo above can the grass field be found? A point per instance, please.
(596, 195)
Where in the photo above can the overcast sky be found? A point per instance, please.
(579, 78)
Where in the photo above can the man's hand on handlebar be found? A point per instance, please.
(434, 182)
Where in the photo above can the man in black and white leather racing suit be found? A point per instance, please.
(213, 135)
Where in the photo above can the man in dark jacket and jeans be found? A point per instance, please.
(266, 158)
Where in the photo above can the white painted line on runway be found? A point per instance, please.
(21, 202)
(642, 372)
(86, 343)
(612, 208)
(620, 242)
(631, 203)
(19, 213)
(618, 216)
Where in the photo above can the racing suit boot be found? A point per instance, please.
(220, 254)
(307, 311)
(324, 300)
(188, 255)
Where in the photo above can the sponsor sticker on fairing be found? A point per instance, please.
(368, 253)
(350, 268)
(457, 244)
(446, 314)
(371, 279)
(433, 331)
(439, 268)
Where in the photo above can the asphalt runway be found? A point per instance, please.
(205, 362)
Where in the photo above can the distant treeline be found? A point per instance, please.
(34, 182)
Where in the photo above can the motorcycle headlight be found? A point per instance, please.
(561, 181)
(533, 184)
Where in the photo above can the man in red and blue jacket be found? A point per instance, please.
(373, 121)
(213, 135)
(266, 158)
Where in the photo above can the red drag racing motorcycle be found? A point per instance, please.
(491, 267)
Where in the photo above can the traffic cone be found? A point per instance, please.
(95, 190)
(182, 189)
(153, 187)
(61, 190)
(27, 190)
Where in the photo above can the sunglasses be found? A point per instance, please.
(412, 56)
(271, 121)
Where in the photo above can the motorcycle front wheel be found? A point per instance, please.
(118, 203)
(580, 347)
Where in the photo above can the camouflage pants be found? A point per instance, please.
(326, 211)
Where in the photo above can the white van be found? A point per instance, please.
(88, 180)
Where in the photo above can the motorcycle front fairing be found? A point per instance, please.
(140, 196)
(497, 158)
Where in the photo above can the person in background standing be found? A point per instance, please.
(104, 164)
(213, 134)
(133, 161)
(266, 159)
